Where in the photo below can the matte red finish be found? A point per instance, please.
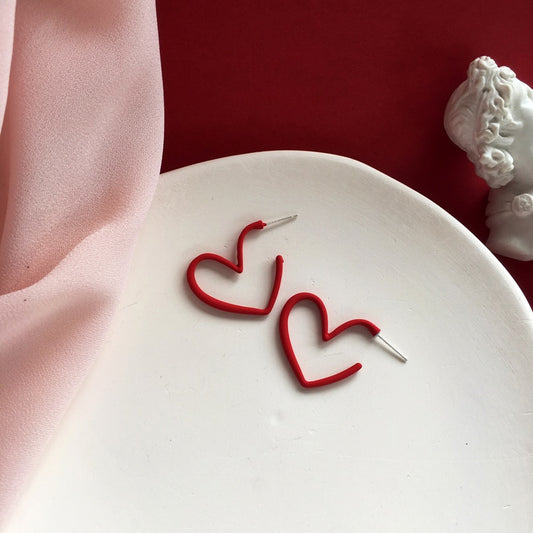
(326, 336)
(236, 267)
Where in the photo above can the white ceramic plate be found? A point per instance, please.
(192, 420)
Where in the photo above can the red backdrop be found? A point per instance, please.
(367, 80)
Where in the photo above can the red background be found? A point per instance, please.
(367, 80)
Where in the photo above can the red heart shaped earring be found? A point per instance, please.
(326, 336)
(238, 268)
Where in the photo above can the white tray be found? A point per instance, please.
(192, 420)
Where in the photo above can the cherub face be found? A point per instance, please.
(499, 141)
(522, 147)
(510, 208)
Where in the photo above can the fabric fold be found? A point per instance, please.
(80, 153)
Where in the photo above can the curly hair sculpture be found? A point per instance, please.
(479, 120)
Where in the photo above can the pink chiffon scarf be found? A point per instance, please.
(81, 111)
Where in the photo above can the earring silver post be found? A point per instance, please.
(282, 219)
(400, 355)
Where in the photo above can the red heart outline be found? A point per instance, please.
(326, 336)
(238, 268)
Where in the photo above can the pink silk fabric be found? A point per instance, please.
(81, 108)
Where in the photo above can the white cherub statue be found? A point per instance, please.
(490, 116)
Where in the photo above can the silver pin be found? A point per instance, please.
(282, 219)
(395, 351)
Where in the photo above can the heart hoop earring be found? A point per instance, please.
(238, 268)
(326, 336)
